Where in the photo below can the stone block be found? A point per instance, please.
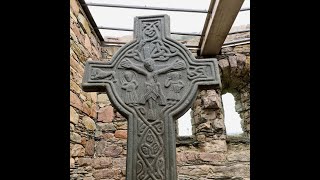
(122, 134)
(212, 158)
(75, 137)
(77, 150)
(89, 148)
(76, 65)
(89, 123)
(75, 101)
(107, 174)
(102, 162)
(106, 127)
(74, 116)
(74, 6)
(84, 23)
(74, 86)
(106, 114)
(84, 161)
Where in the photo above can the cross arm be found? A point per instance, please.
(206, 73)
(177, 65)
(126, 63)
(96, 76)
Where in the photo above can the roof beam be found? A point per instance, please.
(146, 7)
(127, 29)
(223, 15)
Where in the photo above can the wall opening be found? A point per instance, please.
(232, 119)
(184, 124)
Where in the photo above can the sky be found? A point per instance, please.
(232, 118)
(123, 18)
(179, 22)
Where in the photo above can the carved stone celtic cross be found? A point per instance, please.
(151, 81)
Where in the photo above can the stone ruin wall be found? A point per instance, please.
(98, 133)
(84, 44)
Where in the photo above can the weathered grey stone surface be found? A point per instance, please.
(151, 81)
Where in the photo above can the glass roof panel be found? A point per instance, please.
(243, 17)
(185, 4)
(123, 17)
(179, 21)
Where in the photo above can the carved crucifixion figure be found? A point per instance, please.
(151, 81)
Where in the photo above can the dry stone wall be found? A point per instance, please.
(84, 44)
(234, 63)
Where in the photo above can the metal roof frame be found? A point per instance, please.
(96, 28)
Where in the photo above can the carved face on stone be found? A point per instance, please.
(155, 78)
(128, 75)
(150, 32)
(174, 76)
(149, 64)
